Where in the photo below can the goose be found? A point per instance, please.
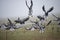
(30, 8)
(22, 21)
(38, 25)
(47, 12)
(10, 26)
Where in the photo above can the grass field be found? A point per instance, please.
(52, 32)
(22, 34)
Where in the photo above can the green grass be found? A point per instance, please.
(22, 34)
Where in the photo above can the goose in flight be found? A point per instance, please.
(22, 21)
(30, 8)
(47, 12)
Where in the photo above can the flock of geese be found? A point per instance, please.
(37, 25)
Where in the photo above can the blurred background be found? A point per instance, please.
(18, 8)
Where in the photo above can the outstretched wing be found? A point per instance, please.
(26, 4)
(25, 19)
(54, 16)
(50, 9)
(43, 8)
(41, 18)
(17, 21)
(49, 22)
(31, 4)
(9, 21)
(22, 21)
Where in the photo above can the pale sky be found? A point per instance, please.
(17, 8)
